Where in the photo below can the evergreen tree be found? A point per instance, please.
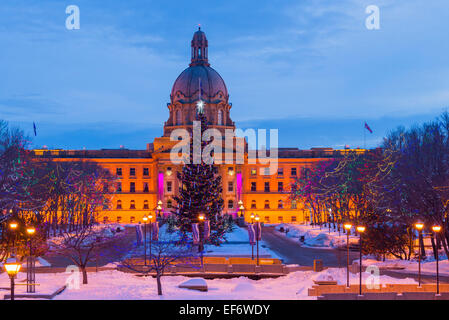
(200, 192)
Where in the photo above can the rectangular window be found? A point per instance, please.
(253, 171)
(267, 187)
(230, 204)
(146, 172)
(293, 218)
(132, 187)
(293, 172)
(119, 187)
(145, 187)
(280, 218)
(230, 186)
(267, 219)
(253, 187)
(118, 171)
(169, 186)
(281, 172)
(280, 186)
(132, 172)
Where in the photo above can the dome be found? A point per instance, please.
(188, 83)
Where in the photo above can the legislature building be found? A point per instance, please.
(147, 178)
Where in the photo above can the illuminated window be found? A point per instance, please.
(253, 171)
(132, 219)
(294, 205)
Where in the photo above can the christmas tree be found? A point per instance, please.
(200, 192)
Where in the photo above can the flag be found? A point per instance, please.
(258, 231)
(155, 234)
(195, 233)
(251, 234)
(206, 229)
(34, 129)
(368, 128)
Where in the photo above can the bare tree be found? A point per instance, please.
(168, 250)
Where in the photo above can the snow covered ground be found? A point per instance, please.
(317, 237)
(112, 284)
(237, 244)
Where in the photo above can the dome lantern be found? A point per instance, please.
(199, 49)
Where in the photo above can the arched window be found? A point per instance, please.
(253, 204)
(267, 204)
(220, 117)
(280, 204)
(119, 204)
(178, 117)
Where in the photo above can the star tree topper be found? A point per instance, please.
(200, 106)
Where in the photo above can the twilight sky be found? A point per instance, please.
(309, 68)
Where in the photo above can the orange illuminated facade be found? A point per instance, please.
(149, 176)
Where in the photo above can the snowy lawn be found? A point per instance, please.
(237, 244)
(317, 237)
(112, 284)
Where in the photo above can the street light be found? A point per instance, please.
(145, 220)
(419, 226)
(13, 226)
(257, 218)
(437, 229)
(31, 277)
(12, 269)
(159, 208)
(150, 218)
(360, 230)
(347, 227)
(252, 243)
(201, 218)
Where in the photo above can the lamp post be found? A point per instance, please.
(252, 243)
(257, 218)
(419, 226)
(159, 208)
(13, 226)
(145, 220)
(201, 219)
(436, 230)
(360, 230)
(31, 276)
(12, 267)
(150, 218)
(347, 227)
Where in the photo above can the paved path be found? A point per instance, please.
(114, 253)
(292, 252)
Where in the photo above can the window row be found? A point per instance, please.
(280, 171)
(266, 204)
(132, 172)
(266, 187)
(132, 205)
(280, 219)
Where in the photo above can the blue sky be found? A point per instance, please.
(309, 68)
